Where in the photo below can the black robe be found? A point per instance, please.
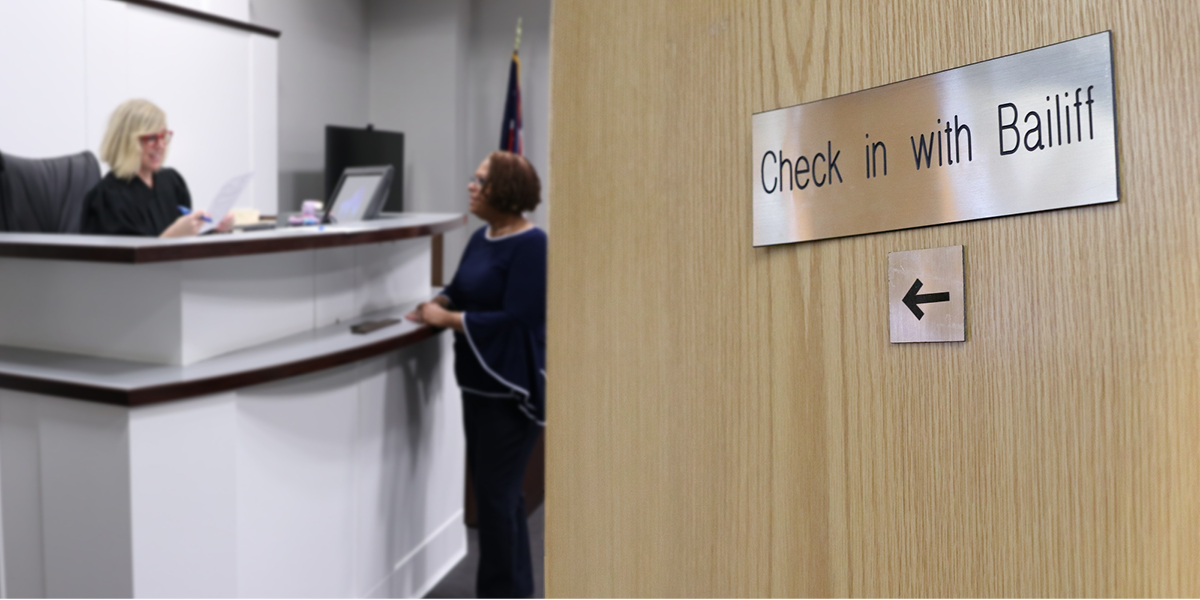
(127, 207)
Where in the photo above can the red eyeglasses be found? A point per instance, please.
(163, 137)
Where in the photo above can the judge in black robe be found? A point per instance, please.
(139, 196)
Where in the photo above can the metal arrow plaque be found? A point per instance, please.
(925, 295)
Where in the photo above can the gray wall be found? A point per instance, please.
(323, 58)
(439, 72)
(417, 85)
(435, 69)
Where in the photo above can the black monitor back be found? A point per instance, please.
(350, 147)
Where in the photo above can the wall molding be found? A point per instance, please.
(203, 16)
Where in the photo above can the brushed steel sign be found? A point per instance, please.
(926, 302)
(1022, 133)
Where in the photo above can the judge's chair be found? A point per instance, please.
(45, 195)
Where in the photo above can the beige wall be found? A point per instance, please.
(725, 420)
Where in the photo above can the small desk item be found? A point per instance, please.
(360, 194)
(309, 210)
(301, 220)
(369, 326)
(245, 216)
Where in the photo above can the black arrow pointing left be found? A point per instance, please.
(912, 299)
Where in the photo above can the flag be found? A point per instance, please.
(511, 137)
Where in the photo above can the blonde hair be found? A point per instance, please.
(121, 148)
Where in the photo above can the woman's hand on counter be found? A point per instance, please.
(432, 313)
(415, 315)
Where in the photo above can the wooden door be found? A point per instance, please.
(732, 421)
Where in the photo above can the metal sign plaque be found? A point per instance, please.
(925, 295)
(1023, 133)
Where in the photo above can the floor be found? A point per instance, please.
(460, 582)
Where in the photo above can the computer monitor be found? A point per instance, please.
(360, 194)
(351, 147)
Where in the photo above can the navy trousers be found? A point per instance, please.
(500, 439)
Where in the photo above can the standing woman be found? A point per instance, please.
(138, 196)
(496, 305)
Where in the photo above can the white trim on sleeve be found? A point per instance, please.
(475, 392)
(522, 394)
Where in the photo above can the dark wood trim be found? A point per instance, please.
(67, 252)
(232, 247)
(212, 385)
(64, 389)
(203, 16)
(437, 243)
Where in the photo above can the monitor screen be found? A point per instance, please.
(354, 198)
(349, 147)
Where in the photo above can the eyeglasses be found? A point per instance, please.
(479, 181)
(163, 137)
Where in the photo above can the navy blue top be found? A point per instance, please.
(500, 286)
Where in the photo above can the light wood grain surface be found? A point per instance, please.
(732, 421)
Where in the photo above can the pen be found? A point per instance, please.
(187, 211)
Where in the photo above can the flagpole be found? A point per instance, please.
(520, 142)
(510, 131)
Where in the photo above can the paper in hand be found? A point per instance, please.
(223, 203)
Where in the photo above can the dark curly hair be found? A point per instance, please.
(512, 184)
